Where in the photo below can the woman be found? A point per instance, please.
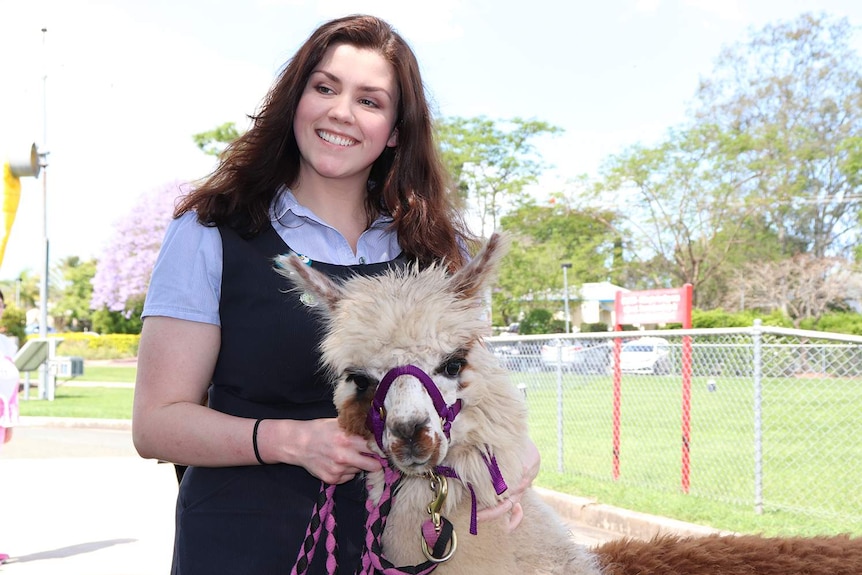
(339, 166)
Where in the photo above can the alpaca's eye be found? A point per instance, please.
(361, 381)
(453, 367)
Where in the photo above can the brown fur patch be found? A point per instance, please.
(732, 555)
(353, 414)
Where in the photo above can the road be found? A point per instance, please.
(79, 501)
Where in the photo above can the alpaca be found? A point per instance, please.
(405, 353)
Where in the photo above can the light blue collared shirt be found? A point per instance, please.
(186, 280)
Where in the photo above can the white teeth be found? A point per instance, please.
(333, 139)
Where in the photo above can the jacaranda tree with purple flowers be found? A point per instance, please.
(124, 268)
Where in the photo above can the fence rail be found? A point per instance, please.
(764, 417)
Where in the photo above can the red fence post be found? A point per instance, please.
(686, 388)
(617, 390)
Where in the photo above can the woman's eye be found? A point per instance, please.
(367, 102)
(324, 90)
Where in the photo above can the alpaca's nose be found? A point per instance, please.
(410, 432)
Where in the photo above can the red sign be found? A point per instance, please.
(654, 306)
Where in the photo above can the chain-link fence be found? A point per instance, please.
(764, 417)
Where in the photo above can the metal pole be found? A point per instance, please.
(758, 418)
(565, 267)
(560, 430)
(45, 379)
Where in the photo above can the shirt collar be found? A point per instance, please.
(286, 202)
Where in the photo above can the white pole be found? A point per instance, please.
(46, 381)
(565, 267)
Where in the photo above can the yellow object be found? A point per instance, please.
(11, 196)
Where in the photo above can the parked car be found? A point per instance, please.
(34, 329)
(518, 356)
(645, 355)
(580, 355)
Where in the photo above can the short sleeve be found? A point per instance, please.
(186, 280)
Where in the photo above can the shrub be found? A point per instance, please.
(837, 322)
(536, 321)
(12, 323)
(91, 345)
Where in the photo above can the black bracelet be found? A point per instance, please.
(254, 442)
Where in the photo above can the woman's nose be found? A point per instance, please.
(342, 109)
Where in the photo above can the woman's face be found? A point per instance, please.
(346, 115)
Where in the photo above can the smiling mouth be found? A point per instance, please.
(335, 140)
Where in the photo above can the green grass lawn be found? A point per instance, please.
(109, 373)
(90, 402)
(811, 462)
(87, 402)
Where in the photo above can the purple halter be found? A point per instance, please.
(376, 415)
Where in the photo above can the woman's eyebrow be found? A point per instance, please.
(333, 78)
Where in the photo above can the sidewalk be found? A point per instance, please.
(87, 505)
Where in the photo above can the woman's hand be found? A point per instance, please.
(323, 448)
(511, 505)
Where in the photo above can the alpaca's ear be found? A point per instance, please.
(306, 279)
(471, 280)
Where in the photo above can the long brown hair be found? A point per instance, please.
(407, 181)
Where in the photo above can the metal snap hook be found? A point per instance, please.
(452, 546)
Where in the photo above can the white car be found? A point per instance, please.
(580, 355)
(646, 355)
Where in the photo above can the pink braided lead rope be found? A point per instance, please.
(322, 519)
(372, 560)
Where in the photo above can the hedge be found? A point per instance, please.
(91, 345)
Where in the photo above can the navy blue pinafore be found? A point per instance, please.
(252, 519)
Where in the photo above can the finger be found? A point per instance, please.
(515, 517)
(491, 513)
(369, 463)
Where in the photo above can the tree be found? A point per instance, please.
(123, 272)
(767, 166)
(72, 308)
(542, 238)
(803, 287)
(23, 291)
(791, 97)
(756, 241)
(684, 211)
(213, 142)
(491, 162)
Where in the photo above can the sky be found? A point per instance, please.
(114, 89)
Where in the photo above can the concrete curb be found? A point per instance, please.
(37, 421)
(616, 520)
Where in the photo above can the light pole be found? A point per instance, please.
(46, 381)
(566, 267)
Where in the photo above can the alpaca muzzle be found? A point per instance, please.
(376, 420)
